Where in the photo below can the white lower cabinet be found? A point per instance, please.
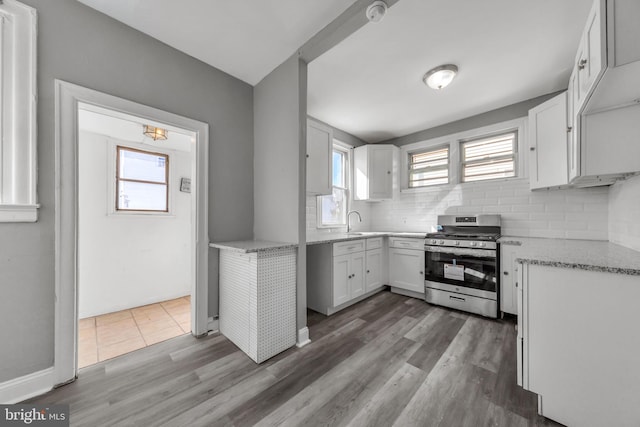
(343, 273)
(508, 279)
(373, 274)
(406, 266)
(348, 277)
(578, 344)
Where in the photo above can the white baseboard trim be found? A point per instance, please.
(303, 337)
(213, 325)
(26, 387)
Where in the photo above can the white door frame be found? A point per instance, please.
(67, 97)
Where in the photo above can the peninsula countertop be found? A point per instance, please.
(248, 246)
(591, 255)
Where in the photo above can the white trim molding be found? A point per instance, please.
(18, 127)
(67, 98)
(303, 337)
(26, 387)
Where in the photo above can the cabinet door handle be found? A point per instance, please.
(456, 298)
(506, 273)
(421, 273)
(532, 148)
(569, 129)
(388, 172)
(582, 64)
(368, 271)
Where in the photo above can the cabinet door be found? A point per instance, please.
(406, 269)
(508, 297)
(357, 269)
(380, 173)
(341, 273)
(590, 62)
(373, 274)
(548, 143)
(574, 122)
(319, 152)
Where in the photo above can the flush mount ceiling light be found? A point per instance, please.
(155, 133)
(440, 77)
(376, 11)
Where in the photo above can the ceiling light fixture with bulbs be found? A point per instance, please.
(376, 11)
(440, 77)
(155, 133)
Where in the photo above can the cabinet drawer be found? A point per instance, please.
(404, 243)
(374, 243)
(351, 246)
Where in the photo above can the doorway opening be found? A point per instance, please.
(71, 102)
(134, 233)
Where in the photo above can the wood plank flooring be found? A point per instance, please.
(387, 361)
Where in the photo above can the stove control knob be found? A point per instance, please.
(472, 244)
(457, 242)
(434, 241)
(441, 242)
(483, 244)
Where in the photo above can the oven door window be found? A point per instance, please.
(461, 270)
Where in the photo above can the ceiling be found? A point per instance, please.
(370, 84)
(245, 38)
(125, 127)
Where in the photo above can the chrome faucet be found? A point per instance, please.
(348, 223)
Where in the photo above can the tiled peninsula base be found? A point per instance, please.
(258, 300)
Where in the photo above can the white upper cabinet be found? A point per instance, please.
(591, 53)
(319, 149)
(604, 94)
(548, 133)
(375, 170)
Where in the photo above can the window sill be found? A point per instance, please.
(19, 213)
(141, 214)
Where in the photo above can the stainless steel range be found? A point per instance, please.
(461, 263)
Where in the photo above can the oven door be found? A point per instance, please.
(470, 271)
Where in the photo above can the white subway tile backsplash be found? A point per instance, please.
(624, 213)
(574, 213)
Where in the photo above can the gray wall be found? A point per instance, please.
(280, 110)
(82, 46)
(276, 154)
(503, 114)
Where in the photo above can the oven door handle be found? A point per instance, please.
(485, 253)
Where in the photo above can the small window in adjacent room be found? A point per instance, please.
(142, 181)
(332, 209)
(489, 157)
(430, 167)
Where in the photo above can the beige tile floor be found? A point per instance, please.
(113, 334)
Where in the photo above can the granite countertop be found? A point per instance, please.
(247, 246)
(313, 239)
(580, 254)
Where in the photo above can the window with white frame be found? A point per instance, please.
(332, 209)
(429, 167)
(142, 180)
(18, 112)
(489, 157)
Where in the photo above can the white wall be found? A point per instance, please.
(624, 213)
(129, 260)
(572, 214)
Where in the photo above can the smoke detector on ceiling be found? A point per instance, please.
(376, 11)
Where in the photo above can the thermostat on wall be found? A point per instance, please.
(185, 185)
